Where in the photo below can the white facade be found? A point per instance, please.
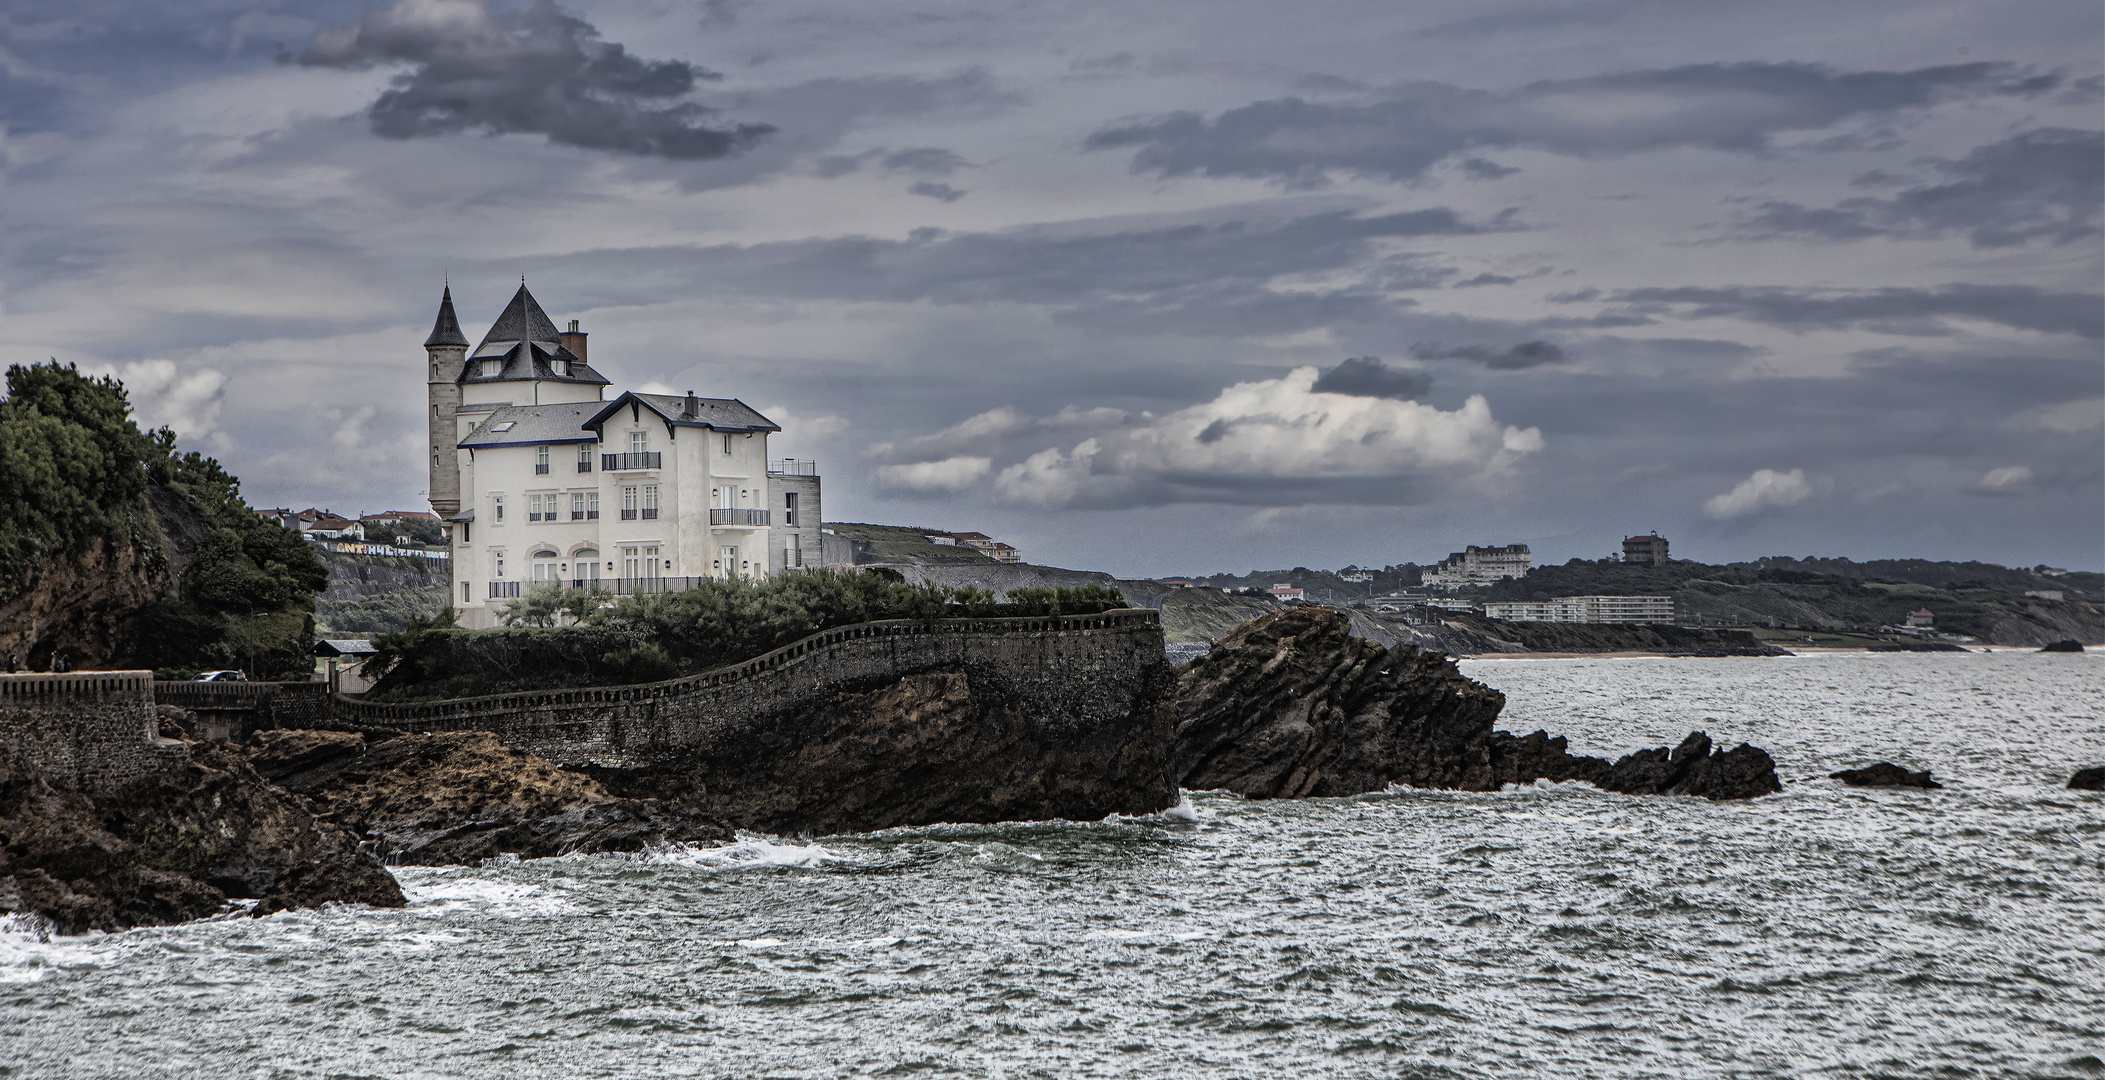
(1586, 609)
(1480, 566)
(556, 484)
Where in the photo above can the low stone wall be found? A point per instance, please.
(231, 710)
(1075, 674)
(91, 730)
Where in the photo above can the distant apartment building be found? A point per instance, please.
(1649, 549)
(988, 546)
(1480, 566)
(1585, 609)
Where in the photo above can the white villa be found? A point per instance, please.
(542, 479)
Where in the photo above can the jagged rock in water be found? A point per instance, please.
(1885, 774)
(170, 848)
(2088, 780)
(1522, 759)
(461, 797)
(2064, 645)
(348, 877)
(1291, 705)
(1745, 772)
(928, 747)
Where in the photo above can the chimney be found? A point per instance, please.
(574, 340)
(693, 408)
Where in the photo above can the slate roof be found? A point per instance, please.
(728, 415)
(534, 425)
(447, 330)
(343, 647)
(523, 320)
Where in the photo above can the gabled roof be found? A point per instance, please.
(728, 415)
(522, 320)
(447, 330)
(533, 425)
(344, 647)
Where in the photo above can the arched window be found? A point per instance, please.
(585, 564)
(545, 569)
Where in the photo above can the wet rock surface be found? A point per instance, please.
(171, 848)
(1693, 768)
(461, 797)
(2064, 645)
(1885, 774)
(1292, 705)
(2088, 780)
(930, 746)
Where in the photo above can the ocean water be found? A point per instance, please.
(1547, 931)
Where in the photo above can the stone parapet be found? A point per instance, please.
(91, 730)
(1074, 673)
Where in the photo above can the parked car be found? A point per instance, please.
(222, 676)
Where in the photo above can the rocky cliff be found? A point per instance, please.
(172, 847)
(1292, 705)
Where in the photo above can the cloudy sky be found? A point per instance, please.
(1149, 288)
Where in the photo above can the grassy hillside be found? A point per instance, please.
(902, 544)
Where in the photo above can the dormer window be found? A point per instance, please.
(562, 367)
(490, 368)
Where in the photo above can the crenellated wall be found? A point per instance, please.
(1075, 674)
(90, 730)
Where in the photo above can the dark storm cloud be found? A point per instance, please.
(1484, 279)
(2047, 184)
(539, 71)
(1888, 311)
(1732, 107)
(1367, 376)
(1519, 357)
(1477, 168)
(931, 189)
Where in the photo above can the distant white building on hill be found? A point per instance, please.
(1480, 566)
(1585, 609)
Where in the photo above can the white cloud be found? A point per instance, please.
(1767, 489)
(2008, 480)
(949, 474)
(166, 394)
(1267, 434)
(351, 432)
(2070, 416)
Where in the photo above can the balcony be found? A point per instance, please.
(541, 468)
(648, 459)
(584, 465)
(650, 513)
(740, 518)
(792, 467)
(628, 515)
(505, 590)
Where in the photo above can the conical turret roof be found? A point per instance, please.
(447, 330)
(523, 320)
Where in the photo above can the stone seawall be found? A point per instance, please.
(1075, 674)
(91, 730)
(230, 711)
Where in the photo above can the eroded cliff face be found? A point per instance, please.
(81, 605)
(172, 847)
(929, 747)
(1293, 705)
(461, 797)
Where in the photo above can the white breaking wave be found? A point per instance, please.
(749, 851)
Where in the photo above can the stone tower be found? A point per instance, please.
(447, 350)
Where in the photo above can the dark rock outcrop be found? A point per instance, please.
(2088, 780)
(1292, 705)
(928, 747)
(2064, 645)
(461, 797)
(171, 848)
(1522, 759)
(1744, 772)
(1885, 774)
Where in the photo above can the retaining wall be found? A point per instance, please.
(1075, 673)
(231, 710)
(90, 730)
